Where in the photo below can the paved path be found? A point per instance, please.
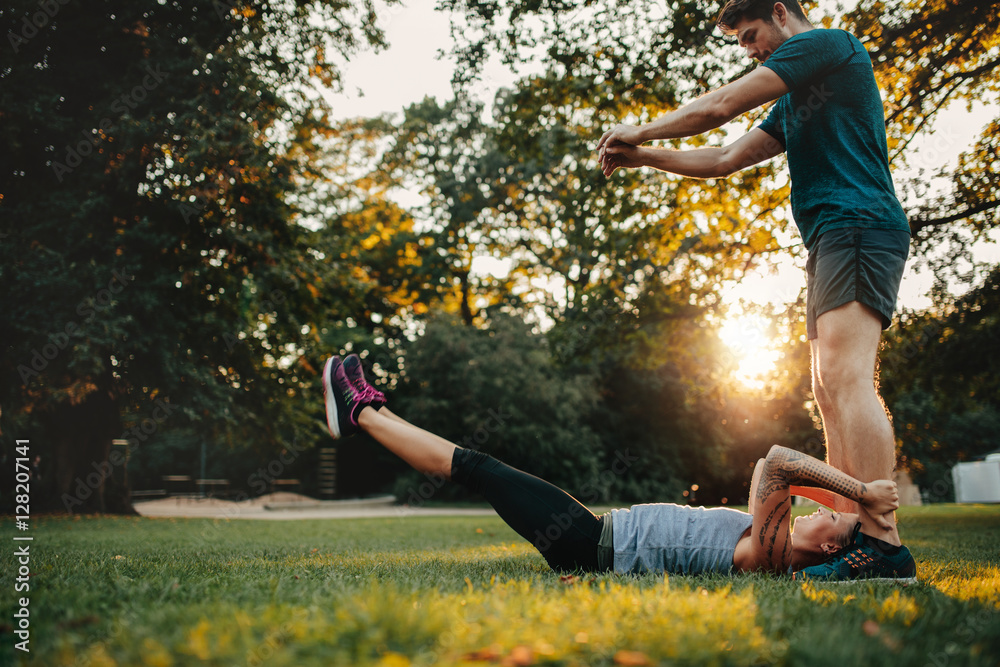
(277, 507)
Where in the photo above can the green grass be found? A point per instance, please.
(443, 591)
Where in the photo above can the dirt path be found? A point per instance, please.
(287, 506)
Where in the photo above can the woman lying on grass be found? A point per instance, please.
(654, 537)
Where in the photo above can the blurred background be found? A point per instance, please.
(201, 201)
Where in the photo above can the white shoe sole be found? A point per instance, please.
(901, 581)
(330, 400)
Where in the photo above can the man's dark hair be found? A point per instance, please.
(737, 10)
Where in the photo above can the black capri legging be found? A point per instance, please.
(563, 530)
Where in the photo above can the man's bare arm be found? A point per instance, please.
(708, 112)
(753, 147)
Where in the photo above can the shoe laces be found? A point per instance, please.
(357, 379)
(368, 393)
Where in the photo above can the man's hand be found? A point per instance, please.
(618, 148)
(880, 498)
(619, 134)
(621, 156)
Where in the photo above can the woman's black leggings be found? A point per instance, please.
(557, 524)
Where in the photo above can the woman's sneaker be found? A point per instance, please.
(344, 401)
(356, 374)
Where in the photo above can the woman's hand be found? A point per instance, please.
(880, 497)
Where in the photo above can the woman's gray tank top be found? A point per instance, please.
(663, 537)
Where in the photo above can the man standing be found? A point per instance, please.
(829, 120)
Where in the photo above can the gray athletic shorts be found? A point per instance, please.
(855, 264)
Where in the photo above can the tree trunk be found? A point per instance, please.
(87, 476)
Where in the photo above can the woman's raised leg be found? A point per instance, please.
(424, 451)
(557, 524)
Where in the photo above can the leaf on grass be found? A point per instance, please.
(491, 653)
(632, 658)
(519, 656)
(891, 643)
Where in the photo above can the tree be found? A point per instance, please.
(607, 62)
(448, 154)
(155, 275)
(942, 388)
(497, 389)
(566, 226)
(928, 56)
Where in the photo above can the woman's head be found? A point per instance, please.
(821, 533)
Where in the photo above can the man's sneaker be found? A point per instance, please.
(864, 559)
(356, 374)
(344, 401)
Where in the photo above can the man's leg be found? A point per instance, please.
(859, 434)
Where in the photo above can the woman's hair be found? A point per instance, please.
(737, 10)
(847, 535)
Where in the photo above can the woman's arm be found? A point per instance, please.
(821, 496)
(771, 539)
(754, 481)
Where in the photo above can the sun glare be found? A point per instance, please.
(748, 337)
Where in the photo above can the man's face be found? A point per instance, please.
(760, 38)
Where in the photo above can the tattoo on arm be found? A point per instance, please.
(783, 468)
(800, 469)
(772, 533)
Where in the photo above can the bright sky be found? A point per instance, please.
(411, 69)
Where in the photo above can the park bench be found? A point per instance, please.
(291, 483)
(212, 485)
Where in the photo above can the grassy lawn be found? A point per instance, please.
(443, 591)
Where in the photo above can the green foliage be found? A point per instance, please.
(448, 154)
(190, 229)
(942, 388)
(150, 247)
(497, 389)
(461, 590)
(928, 56)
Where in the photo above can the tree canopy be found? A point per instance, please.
(186, 232)
(151, 255)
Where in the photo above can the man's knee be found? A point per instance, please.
(820, 393)
(837, 383)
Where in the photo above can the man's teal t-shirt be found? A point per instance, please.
(832, 126)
